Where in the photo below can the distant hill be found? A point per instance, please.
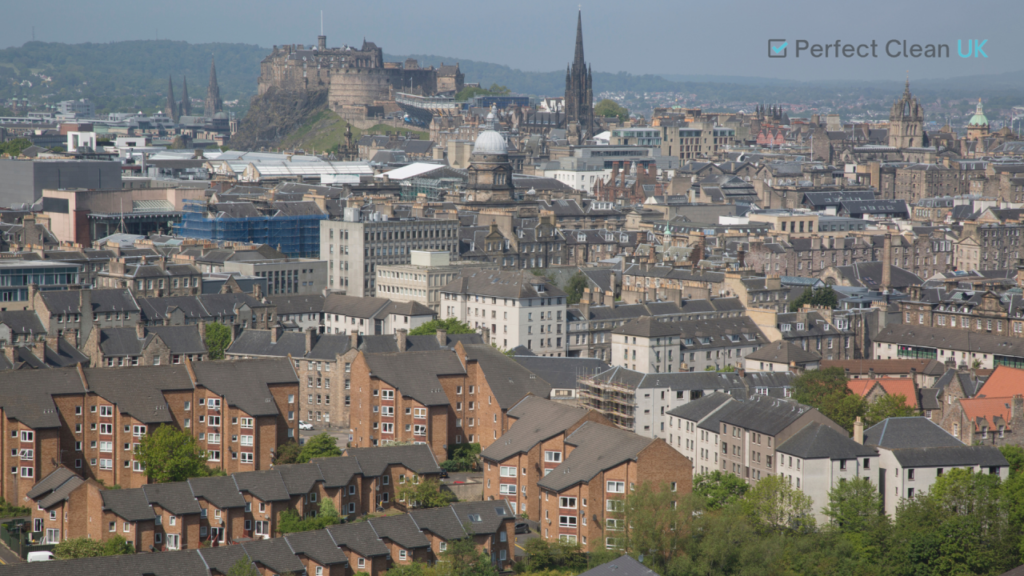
(124, 76)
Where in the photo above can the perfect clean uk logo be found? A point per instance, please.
(777, 48)
(895, 48)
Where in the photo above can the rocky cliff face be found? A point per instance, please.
(274, 115)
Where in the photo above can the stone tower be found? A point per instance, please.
(906, 122)
(490, 172)
(186, 103)
(172, 107)
(579, 94)
(213, 102)
(977, 127)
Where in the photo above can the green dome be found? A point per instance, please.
(979, 118)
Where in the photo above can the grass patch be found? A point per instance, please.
(325, 130)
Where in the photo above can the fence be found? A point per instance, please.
(15, 535)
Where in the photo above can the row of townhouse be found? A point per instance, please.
(759, 437)
(439, 397)
(90, 420)
(222, 510)
(372, 547)
(570, 469)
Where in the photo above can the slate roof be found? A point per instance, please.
(622, 566)
(961, 455)
(597, 448)
(267, 485)
(443, 522)
(102, 300)
(22, 322)
(55, 487)
(255, 342)
(337, 471)
(354, 306)
(175, 497)
(908, 432)
(138, 392)
(783, 352)
(911, 335)
(561, 372)
(415, 374)
(869, 275)
(501, 284)
(697, 410)
(25, 395)
(765, 415)
(646, 327)
(243, 383)
(300, 478)
(491, 513)
(220, 491)
(374, 461)
(509, 381)
(537, 420)
(816, 440)
(360, 537)
(129, 504)
(317, 545)
(401, 530)
(274, 553)
(888, 367)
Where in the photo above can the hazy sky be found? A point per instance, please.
(724, 37)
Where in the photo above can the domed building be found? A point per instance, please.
(490, 172)
(977, 127)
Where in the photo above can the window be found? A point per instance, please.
(246, 457)
(615, 506)
(616, 487)
(401, 555)
(27, 436)
(138, 430)
(107, 411)
(362, 562)
(246, 440)
(508, 489)
(508, 471)
(567, 521)
(246, 422)
(552, 456)
(567, 502)
(614, 524)
(213, 403)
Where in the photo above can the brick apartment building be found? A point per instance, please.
(582, 499)
(223, 510)
(440, 398)
(532, 447)
(90, 419)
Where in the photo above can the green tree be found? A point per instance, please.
(450, 325)
(171, 455)
(14, 147)
(1015, 456)
(774, 505)
(117, 546)
(575, 287)
(855, 506)
(413, 569)
(461, 558)
(78, 548)
(888, 406)
(8, 510)
(719, 489)
(827, 391)
(823, 297)
(426, 494)
(218, 338)
(287, 453)
(322, 445)
(463, 458)
(243, 567)
(657, 524)
(609, 108)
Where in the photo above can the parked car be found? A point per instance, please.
(305, 425)
(522, 528)
(40, 556)
(444, 473)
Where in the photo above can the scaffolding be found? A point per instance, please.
(296, 235)
(615, 400)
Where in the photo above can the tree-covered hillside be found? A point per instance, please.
(126, 76)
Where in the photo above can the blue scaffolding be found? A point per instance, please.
(298, 236)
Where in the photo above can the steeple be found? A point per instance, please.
(186, 103)
(578, 58)
(213, 102)
(579, 99)
(172, 107)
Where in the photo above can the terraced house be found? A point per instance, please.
(89, 420)
(372, 547)
(223, 510)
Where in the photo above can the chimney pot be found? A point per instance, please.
(401, 336)
(858, 431)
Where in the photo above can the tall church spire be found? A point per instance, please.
(579, 99)
(172, 106)
(213, 102)
(186, 103)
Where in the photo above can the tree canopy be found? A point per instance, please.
(473, 91)
(327, 515)
(323, 445)
(421, 493)
(609, 108)
(218, 338)
(574, 288)
(14, 147)
(450, 325)
(171, 455)
(822, 297)
(719, 489)
(88, 548)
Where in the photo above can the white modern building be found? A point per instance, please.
(515, 308)
(422, 279)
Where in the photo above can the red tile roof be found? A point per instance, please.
(988, 409)
(1004, 382)
(892, 386)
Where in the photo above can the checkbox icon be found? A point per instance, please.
(777, 48)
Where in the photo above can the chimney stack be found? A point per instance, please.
(871, 373)
(309, 339)
(353, 339)
(273, 334)
(140, 330)
(401, 336)
(858, 431)
(485, 332)
(442, 338)
(887, 262)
